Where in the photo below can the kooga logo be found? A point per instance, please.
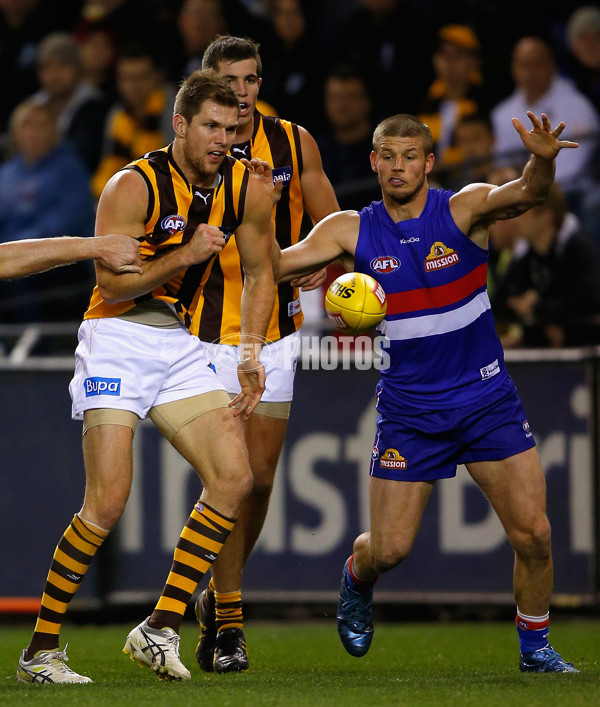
(102, 386)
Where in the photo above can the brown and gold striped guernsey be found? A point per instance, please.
(175, 209)
(218, 315)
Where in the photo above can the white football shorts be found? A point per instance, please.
(279, 359)
(128, 366)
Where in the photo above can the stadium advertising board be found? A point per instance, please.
(319, 504)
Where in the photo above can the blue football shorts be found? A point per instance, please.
(428, 445)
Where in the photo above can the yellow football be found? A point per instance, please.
(355, 302)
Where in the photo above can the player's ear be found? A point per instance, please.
(373, 158)
(429, 160)
(179, 125)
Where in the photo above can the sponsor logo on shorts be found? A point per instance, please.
(173, 223)
(282, 174)
(440, 256)
(490, 370)
(294, 307)
(392, 459)
(385, 264)
(526, 429)
(102, 386)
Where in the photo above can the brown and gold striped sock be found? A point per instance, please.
(70, 563)
(229, 610)
(198, 547)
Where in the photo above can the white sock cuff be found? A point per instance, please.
(89, 522)
(537, 619)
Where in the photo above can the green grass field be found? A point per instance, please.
(304, 664)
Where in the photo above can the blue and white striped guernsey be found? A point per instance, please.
(444, 351)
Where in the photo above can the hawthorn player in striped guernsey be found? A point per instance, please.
(297, 167)
(446, 397)
(137, 358)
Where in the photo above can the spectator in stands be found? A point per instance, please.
(98, 51)
(392, 41)
(293, 70)
(457, 90)
(540, 89)
(23, 23)
(583, 40)
(551, 286)
(78, 106)
(44, 192)
(346, 147)
(198, 23)
(128, 20)
(473, 138)
(141, 121)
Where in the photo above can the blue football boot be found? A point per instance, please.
(545, 660)
(354, 617)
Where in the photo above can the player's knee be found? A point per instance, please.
(235, 481)
(386, 557)
(104, 514)
(261, 491)
(534, 541)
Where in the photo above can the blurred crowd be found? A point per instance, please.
(89, 86)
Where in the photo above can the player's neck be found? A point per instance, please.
(244, 132)
(410, 209)
(193, 175)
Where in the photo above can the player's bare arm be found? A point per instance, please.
(333, 238)
(254, 239)
(120, 253)
(318, 194)
(479, 204)
(122, 209)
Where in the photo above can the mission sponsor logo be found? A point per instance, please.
(440, 257)
(282, 174)
(392, 459)
(385, 264)
(102, 386)
(173, 223)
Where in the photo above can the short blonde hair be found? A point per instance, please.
(403, 125)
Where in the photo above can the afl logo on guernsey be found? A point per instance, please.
(440, 257)
(385, 264)
(173, 224)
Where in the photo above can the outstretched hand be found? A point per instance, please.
(265, 171)
(541, 140)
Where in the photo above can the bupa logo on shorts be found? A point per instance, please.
(385, 264)
(282, 174)
(490, 370)
(102, 386)
(526, 429)
(392, 459)
(440, 257)
(173, 223)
